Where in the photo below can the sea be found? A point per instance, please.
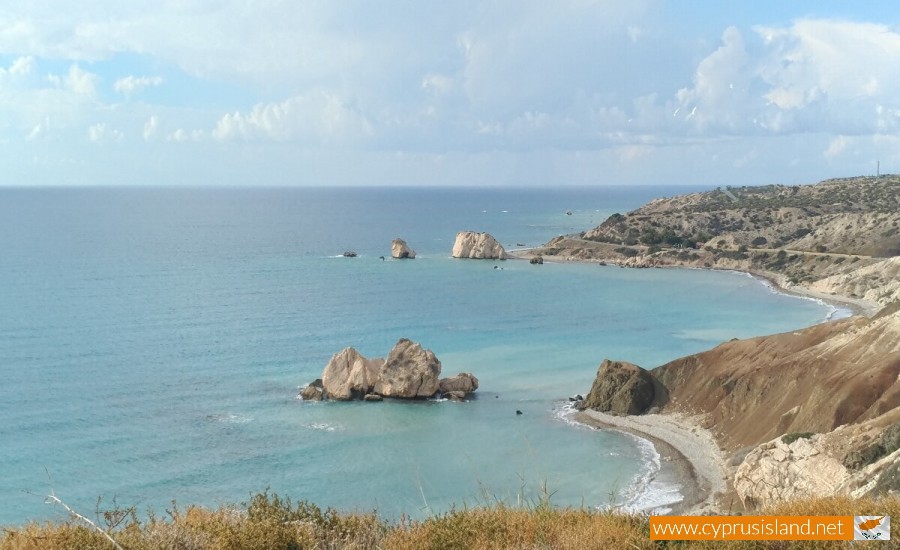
(153, 342)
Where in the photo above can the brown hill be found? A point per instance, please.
(811, 380)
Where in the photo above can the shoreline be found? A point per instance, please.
(857, 306)
(688, 452)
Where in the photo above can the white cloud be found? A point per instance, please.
(720, 98)
(81, 82)
(131, 85)
(836, 147)
(318, 116)
(102, 132)
(151, 128)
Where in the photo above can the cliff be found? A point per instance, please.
(809, 413)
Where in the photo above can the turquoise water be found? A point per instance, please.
(152, 343)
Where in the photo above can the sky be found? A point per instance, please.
(467, 93)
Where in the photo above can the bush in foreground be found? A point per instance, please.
(271, 522)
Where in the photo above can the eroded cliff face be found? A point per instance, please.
(854, 460)
(810, 380)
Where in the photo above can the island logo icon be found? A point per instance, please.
(872, 528)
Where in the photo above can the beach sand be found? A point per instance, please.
(685, 447)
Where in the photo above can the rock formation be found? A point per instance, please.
(463, 382)
(349, 375)
(538, 260)
(622, 388)
(401, 251)
(409, 372)
(807, 465)
(474, 245)
(312, 392)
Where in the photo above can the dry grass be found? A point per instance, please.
(271, 522)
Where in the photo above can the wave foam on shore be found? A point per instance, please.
(654, 490)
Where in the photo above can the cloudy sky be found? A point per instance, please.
(523, 92)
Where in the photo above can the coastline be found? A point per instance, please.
(856, 306)
(689, 452)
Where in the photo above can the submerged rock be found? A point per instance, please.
(311, 393)
(349, 254)
(455, 395)
(481, 246)
(401, 251)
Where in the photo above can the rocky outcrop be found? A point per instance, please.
(474, 245)
(349, 375)
(463, 382)
(312, 392)
(409, 371)
(810, 465)
(401, 251)
(622, 388)
(536, 260)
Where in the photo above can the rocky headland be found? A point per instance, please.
(408, 372)
(839, 238)
(808, 413)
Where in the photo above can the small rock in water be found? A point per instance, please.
(518, 412)
(349, 254)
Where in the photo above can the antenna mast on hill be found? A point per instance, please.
(878, 170)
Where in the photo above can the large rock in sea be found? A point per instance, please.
(408, 372)
(471, 244)
(401, 251)
(349, 375)
(463, 382)
(622, 388)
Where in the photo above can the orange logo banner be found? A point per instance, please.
(751, 527)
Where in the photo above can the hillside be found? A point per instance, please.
(840, 236)
(808, 413)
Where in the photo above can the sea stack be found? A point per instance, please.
(401, 251)
(480, 246)
(409, 372)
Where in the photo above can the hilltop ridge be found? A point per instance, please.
(840, 237)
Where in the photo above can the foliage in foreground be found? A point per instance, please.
(271, 522)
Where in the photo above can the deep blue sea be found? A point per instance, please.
(153, 341)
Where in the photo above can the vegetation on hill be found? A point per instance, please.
(271, 522)
(840, 236)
